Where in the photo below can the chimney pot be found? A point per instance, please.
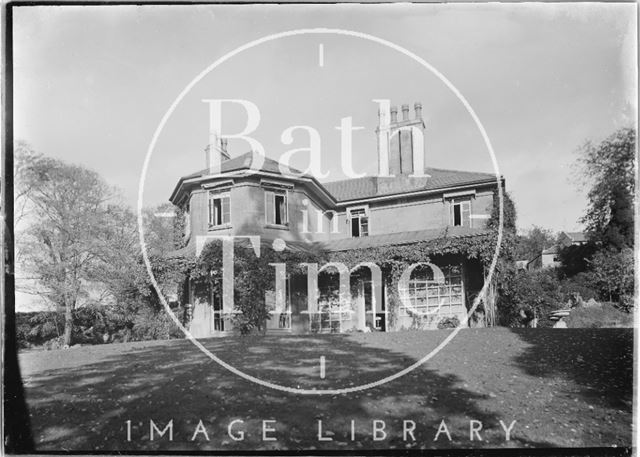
(394, 114)
(418, 107)
(405, 112)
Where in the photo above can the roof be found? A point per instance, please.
(551, 250)
(243, 162)
(265, 243)
(394, 239)
(346, 244)
(576, 237)
(374, 186)
(366, 187)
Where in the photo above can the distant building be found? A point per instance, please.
(549, 258)
(521, 264)
(572, 239)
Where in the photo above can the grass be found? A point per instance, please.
(570, 387)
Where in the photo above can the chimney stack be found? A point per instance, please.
(401, 143)
(215, 154)
(394, 114)
(418, 108)
(405, 112)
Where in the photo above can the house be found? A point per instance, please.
(550, 257)
(345, 217)
(572, 239)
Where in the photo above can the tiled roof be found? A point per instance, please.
(394, 239)
(372, 186)
(242, 162)
(346, 244)
(576, 237)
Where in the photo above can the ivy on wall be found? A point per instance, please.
(254, 275)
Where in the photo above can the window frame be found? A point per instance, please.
(272, 192)
(426, 295)
(366, 215)
(461, 202)
(218, 194)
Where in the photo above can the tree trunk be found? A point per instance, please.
(68, 324)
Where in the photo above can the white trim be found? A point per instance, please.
(412, 194)
(274, 192)
(462, 193)
(452, 205)
(355, 208)
(217, 185)
(215, 194)
(249, 174)
(359, 217)
(275, 184)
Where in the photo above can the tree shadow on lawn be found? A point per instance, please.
(86, 407)
(591, 366)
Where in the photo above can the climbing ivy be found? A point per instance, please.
(254, 275)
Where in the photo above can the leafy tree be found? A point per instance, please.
(609, 170)
(74, 227)
(613, 273)
(530, 245)
(536, 292)
(575, 259)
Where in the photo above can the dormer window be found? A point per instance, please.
(359, 220)
(276, 207)
(460, 213)
(219, 209)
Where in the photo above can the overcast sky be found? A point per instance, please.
(92, 83)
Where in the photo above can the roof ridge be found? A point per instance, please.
(451, 170)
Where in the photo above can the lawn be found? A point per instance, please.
(563, 387)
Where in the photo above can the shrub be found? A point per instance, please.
(36, 328)
(449, 322)
(604, 315)
(613, 273)
(532, 292)
(582, 284)
(154, 325)
(245, 324)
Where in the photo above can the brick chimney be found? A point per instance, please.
(401, 142)
(216, 153)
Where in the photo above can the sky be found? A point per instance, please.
(92, 84)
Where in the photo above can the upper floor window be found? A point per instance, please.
(460, 213)
(359, 219)
(276, 207)
(219, 209)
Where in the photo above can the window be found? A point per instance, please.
(428, 297)
(219, 209)
(460, 212)
(332, 315)
(276, 207)
(187, 222)
(359, 219)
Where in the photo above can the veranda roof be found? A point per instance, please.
(346, 244)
